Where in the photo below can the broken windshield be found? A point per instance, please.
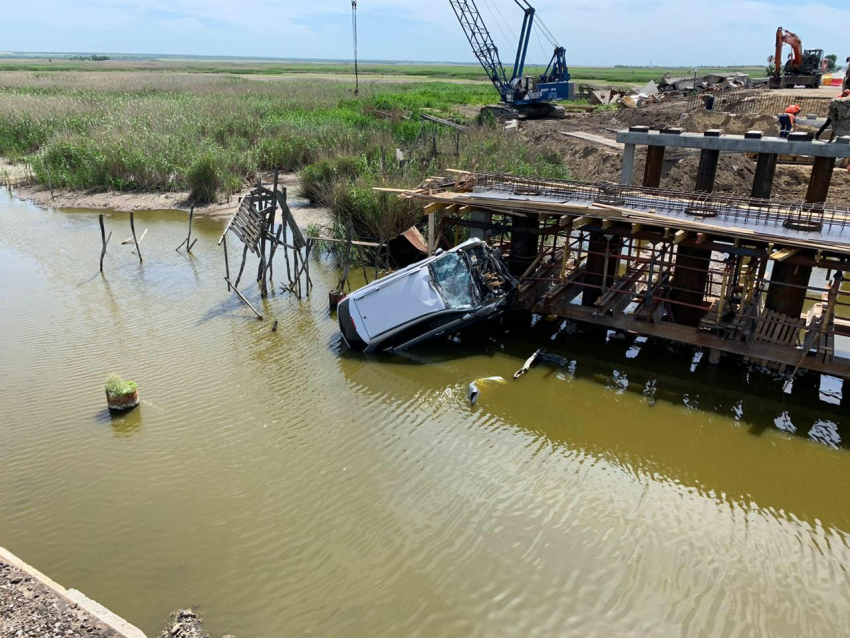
(453, 280)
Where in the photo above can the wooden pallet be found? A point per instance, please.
(775, 328)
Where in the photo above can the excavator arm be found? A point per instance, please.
(793, 40)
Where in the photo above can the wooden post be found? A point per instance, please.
(432, 220)
(226, 263)
(188, 241)
(247, 303)
(242, 267)
(133, 228)
(105, 241)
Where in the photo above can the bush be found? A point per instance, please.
(319, 180)
(204, 178)
(116, 387)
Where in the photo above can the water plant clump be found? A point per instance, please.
(116, 387)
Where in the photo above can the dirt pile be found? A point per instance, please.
(731, 124)
(589, 162)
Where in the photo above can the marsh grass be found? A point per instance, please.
(212, 134)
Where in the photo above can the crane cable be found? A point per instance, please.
(512, 39)
(354, 31)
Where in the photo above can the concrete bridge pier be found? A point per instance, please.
(787, 292)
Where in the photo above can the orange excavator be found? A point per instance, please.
(803, 67)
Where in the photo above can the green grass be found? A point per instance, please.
(212, 134)
(369, 71)
(116, 387)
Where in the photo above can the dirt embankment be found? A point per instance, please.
(29, 609)
(591, 162)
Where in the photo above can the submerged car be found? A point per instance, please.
(434, 297)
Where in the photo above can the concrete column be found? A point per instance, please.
(820, 181)
(480, 233)
(689, 280)
(524, 245)
(628, 165)
(786, 299)
(765, 172)
(595, 269)
(707, 170)
(654, 166)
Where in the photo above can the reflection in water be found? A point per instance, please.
(289, 487)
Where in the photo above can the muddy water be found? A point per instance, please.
(288, 488)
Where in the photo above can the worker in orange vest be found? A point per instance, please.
(788, 120)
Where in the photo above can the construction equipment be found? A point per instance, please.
(803, 67)
(531, 96)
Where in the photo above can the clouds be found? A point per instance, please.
(665, 32)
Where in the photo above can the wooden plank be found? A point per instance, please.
(242, 297)
(595, 139)
(784, 253)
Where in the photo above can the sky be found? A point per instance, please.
(594, 32)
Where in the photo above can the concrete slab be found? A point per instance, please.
(735, 144)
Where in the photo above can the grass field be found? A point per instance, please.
(212, 134)
(472, 73)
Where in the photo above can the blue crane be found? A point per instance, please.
(527, 95)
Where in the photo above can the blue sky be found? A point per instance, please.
(595, 32)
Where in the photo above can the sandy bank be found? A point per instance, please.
(304, 213)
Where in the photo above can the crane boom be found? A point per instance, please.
(482, 42)
(531, 95)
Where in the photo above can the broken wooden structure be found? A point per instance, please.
(745, 276)
(255, 224)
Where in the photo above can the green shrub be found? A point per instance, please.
(204, 178)
(318, 180)
(116, 387)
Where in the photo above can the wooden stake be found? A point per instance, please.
(226, 265)
(105, 241)
(133, 228)
(242, 297)
(242, 267)
(188, 241)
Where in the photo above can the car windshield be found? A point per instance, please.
(453, 280)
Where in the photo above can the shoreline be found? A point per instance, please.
(127, 202)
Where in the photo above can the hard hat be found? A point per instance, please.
(793, 109)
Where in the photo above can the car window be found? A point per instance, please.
(453, 280)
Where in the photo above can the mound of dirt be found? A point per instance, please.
(589, 162)
(699, 121)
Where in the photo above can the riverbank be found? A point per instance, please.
(33, 605)
(304, 213)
